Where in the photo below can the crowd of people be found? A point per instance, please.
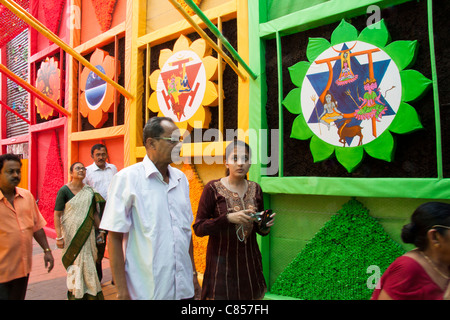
(145, 212)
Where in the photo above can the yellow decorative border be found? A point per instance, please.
(195, 192)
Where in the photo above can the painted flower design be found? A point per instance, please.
(183, 87)
(48, 82)
(353, 92)
(97, 97)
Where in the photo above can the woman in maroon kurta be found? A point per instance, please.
(233, 260)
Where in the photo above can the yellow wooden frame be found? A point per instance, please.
(74, 137)
(232, 9)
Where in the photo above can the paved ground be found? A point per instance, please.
(52, 286)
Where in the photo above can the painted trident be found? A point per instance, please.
(313, 98)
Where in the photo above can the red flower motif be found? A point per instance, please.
(48, 82)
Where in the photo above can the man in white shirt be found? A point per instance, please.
(100, 173)
(148, 215)
(99, 176)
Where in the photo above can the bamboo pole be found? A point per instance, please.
(14, 112)
(220, 36)
(33, 90)
(220, 84)
(36, 24)
(437, 112)
(207, 39)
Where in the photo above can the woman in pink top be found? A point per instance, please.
(422, 273)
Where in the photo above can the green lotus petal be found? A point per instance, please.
(298, 72)
(300, 129)
(414, 84)
(320, 149)
(315, 47)
(349, 157)
(292, 101)
(376, 34)
(344, 32)
(382, 147)
(406, 120)
(403, 53)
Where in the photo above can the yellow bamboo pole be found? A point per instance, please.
(207, 39)
(33, 90)
(36, 24)
(220, 83)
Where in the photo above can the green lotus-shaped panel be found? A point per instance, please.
(353, 92)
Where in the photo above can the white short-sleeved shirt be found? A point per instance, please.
(100, 179)
(156, 218)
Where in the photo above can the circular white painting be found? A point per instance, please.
(351, 93)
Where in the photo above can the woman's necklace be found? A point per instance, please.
(239, 192)
(434, 266)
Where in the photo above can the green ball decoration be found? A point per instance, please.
(334, 264)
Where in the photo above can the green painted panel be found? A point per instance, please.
(279, 8)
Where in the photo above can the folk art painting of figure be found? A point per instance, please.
(346, 75)
(330, 111)
(371, 105)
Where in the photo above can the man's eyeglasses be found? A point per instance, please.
(439, 226)
(173, 140)
(79, 169)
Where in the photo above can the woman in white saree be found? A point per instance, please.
(78, 210)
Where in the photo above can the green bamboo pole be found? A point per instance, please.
(258, 92)
(280, 106)
(203, 34)
(437, 114)
(220, 36)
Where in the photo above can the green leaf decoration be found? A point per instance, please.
(333, 264)
(376, 34)
(402, 52)
(298, 72)
(315, 47)
(292, 101)
(414, 84)
(406, 120)
(349, 157)
(320, 149)
(381, 148)
(344, 32)
(300, 129)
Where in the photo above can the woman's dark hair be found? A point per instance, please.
(73, 165)
(230, 148)
(423, 219)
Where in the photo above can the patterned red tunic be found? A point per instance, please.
(233, 267)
